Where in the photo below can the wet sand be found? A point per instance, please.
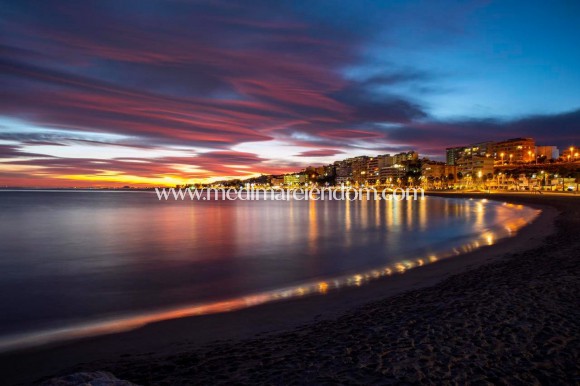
(505, 313)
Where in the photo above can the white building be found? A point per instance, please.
(550, 152)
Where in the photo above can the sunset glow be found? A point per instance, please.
(112, 94)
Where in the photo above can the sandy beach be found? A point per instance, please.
(503, 314)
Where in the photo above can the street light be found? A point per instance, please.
(511, 156)
(502, 154)
(571, 153)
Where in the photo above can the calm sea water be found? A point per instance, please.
(71, 257)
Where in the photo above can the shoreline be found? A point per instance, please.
(492, 233)
(271, 319)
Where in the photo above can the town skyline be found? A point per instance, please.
(476, 159)
(464, 167)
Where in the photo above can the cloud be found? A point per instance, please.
(321, 153)
(14, 151)
(209, 77)
(550, 129)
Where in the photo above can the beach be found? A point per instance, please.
(505, 313)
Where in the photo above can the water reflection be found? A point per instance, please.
(313, 227)
(126, 258)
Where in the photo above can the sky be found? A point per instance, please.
(114, 93)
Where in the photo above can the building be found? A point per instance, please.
(450, 172)
(482, 149)
(312, 173)
(413, 168)
(390, 174)
(404, 157)
(385, 160)
(343, 170)
(475, 166)
(571, 154)
(437, 174)
(453, 154)
(431, 170)
(373, 171)
(515, 151)
(295, 179)
(360, 169)
(277, 180)
(329, 170)
(547, 152)
(434, 169)
(319, 170)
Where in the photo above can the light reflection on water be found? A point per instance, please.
(106, 263)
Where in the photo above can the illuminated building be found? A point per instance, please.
(403, 157)
(360, 169)
(515, 150)
(482, 149)
(343, 170)
(392, 173)
(571, 154)
(475, 166)
(373, 172)
(295, 179)
(453, 154)
(434, 169)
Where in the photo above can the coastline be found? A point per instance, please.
(509, 220)
(272, 321)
